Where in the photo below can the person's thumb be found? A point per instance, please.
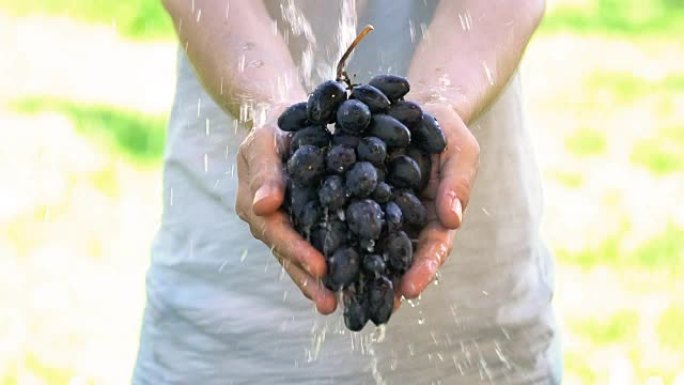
(458, 168)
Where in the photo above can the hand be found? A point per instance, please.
(261, 191)
(445, 198)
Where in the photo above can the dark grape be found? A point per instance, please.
(428, 135)
(372, 97)
(409, 113)
(382, 173)
(404, 172)
(372, 149)
(343, 268)
(293, 118)
(355, 310)
(361, 180)
(353, 117)
(365, 218)
(313, 135)
(393, 217)
(399, 251)
(345, 139)
(297, 196)
(335, 236)
(394, 87)
(394, 153)
(382, 193)
(340, 158)
(309, 216)
(324, 101)
(424, 162)
(331, 194)
(373, 264)
(306, 165)
(380, 300)
(390, 130)
(411, 208)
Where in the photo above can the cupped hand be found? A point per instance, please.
(445, 198)
(261, 191)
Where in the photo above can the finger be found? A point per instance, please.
(279, 234)
(312, 288)
(434, 246)
(260, 152)
(458, 167)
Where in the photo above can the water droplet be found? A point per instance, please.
(241, 63)
(223, 264)
(171, 196)
(488, 73)
(247, 46)
(256, 63)
(199, 107)
(207, 128)
(437, 278)
(421, 318)
(199, 15)
(206, 163)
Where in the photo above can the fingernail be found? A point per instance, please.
(261, 194)
(457, 209)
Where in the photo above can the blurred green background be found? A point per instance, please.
(85, 88)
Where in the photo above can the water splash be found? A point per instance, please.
(319, 331)
(412, 30)
(243, 256)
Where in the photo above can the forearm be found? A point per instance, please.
(236, 53)
(471, 50)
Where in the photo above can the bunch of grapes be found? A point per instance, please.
(358, 161)
(359, 157)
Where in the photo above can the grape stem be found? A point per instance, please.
(341, 73)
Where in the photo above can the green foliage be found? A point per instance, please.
(138, 136)
(671, 327)
(569, 179)
(662, 153)
(617, 17)
(133, 18)
(586, 142)
(619, 327)
(664, 251)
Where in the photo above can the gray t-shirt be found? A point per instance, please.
(221, 311)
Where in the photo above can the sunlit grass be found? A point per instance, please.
(569, 179)
(133, 18)
(664, 251)
(138, 136)
(616, 17)
(586, 142)
(662, 153)
(671, 326)
(620, 327)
